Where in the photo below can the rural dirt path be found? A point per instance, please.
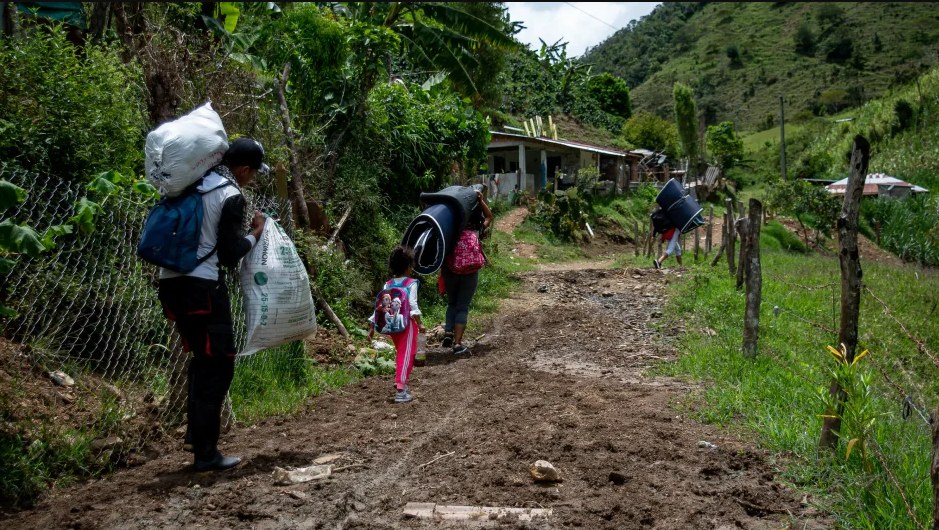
(560, 375)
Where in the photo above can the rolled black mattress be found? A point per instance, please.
(681, 209)
(434, 232)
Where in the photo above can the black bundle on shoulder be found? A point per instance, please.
(660, 222)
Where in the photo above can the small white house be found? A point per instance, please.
(533, 163)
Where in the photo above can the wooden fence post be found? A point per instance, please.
(649, 237)
(850, 263)
(637, 237)
(697, 244)
(729, 235)
(743, 228)
(707, 235)
(751, 319)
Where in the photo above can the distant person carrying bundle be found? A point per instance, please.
(460, 275)
(206, 219)
(661, 224)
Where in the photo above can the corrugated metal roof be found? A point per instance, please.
(565, 143)
(872, 183)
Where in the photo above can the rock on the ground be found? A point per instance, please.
(544, 471)
(106, 443)
(61, 378)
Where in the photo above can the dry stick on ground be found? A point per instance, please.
(435, 459)
(329, 311)
(342, 222)
(751, 320)
(849, 259)
(349, 466)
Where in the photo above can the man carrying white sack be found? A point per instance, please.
(198, 301)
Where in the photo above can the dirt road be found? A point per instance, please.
(558, 376)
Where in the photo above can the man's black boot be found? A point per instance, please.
(219, 463)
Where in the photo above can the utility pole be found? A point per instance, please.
(782, 137)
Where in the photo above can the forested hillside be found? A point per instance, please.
(740, 57)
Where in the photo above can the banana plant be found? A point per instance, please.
(438, 35)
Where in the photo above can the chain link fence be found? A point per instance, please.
(88, 333)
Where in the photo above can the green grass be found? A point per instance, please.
(768, 138)
(280, 380)
(40, 453)
(775, 396)
(549, 247)
(53, 459)
(784, 239)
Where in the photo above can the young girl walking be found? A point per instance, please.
(392, 301)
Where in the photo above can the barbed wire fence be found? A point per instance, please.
(900, 384)
(87, 316)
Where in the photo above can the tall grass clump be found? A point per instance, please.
(783, 238)
(906, 227)
(780, 396)
(279, 381)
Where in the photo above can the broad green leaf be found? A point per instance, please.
(102, 185)
(145, 188)
(20, 238)
(10, 194)
(231, 12)
(6, 312)
(48, 239)
(6, 265)
(434, 80)
(85, 213)
(111, 176)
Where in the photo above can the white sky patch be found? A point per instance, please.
(572, 21)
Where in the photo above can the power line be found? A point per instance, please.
(593, 17)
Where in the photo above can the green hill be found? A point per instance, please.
(740, 57)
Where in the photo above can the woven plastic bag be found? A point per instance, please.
(180, 152)
(277, 298)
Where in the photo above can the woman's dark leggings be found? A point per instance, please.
(460, 291)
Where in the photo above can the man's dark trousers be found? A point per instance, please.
(202, 312)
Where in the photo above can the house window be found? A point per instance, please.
(499, 163)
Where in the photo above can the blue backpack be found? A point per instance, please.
(170, 237)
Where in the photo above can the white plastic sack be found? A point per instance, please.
(179, 152)
(277, 299)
